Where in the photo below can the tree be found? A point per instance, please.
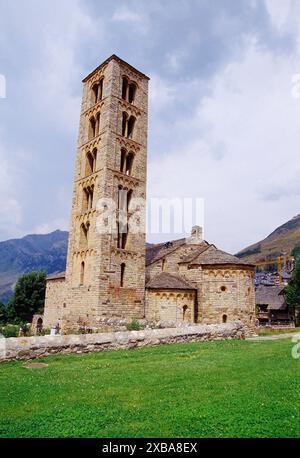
(28, 298)
(296, 251)
(292, 292)
(3, 313)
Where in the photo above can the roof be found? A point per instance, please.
(213, 256)
(203, 254)
(201, 248)
(118, 59)
(159, 250)
(271, 296)
(57, 276)
(165, 280)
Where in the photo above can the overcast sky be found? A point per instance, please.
(223, 124)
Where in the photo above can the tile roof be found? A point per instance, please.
(201, 248)
(159, 250)
(165, 280)
(213, 256)
(118, 59)
(271, 295)
(56, 276)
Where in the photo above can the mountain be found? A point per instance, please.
(284, 240)
(49, 251)
(32, 252)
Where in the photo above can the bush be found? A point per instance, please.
(28, 298)
(3, 313)
(134, 325)
(10, 330)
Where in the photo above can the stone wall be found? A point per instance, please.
(170, 305)
(54, 300)
(34, 347)
(170, 262)
(224, 292)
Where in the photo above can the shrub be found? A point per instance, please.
(28, 298)
(134, 325)
(10, 330)
(3, 313)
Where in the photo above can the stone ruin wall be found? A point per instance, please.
(24, 348)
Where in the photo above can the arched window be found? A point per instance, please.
(97, 127)
(224, 318)
(184, 310)
(124, 88)
(131, 93)
(124, 123)
(123, 159)
(92, 127)
(122, 274)
(124, 237)
(82, 268)
(89, 164)
(101, 89)
(124, 198)
(84, 231)
(85, 200)
(88, 196)
(163, 264)
(91, 197)
(131, 123)
(129, 197)
(95, 159)
(97, 91)
(129, 163)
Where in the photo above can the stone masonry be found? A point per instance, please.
(105, 273)
(35, 347)
(111, 274)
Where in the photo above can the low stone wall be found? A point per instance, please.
(34, 347)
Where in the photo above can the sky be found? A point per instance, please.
(224, 106)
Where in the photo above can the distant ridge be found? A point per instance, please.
(283, 240)
(33, 252)
(49, 252)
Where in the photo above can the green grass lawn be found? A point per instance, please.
(214, 389)
(274, 332)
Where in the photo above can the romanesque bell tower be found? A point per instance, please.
(105, 275)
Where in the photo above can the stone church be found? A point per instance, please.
(112, 274)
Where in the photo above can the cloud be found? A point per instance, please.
(11, 213)
(130, 17)
(124, 14)
(222, 122)
(41, 113)
(280, 12)
(239, 149)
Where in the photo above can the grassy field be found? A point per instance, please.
(214, 389)
(275, 332)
